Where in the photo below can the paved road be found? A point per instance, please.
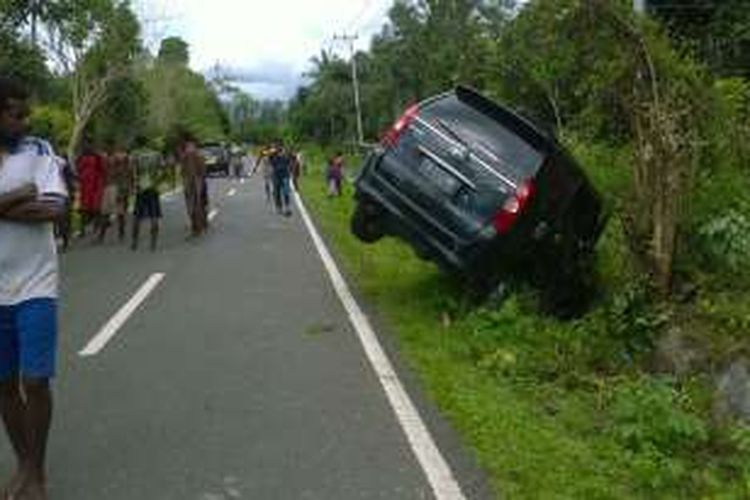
(239, 376)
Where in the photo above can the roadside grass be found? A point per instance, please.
(551, 409)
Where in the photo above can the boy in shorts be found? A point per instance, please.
(146, 169)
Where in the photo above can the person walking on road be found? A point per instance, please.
(281, 164)
(264, 163)
(32, 196)
(145, 176)
(194, 185)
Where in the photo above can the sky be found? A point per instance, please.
(267, 44)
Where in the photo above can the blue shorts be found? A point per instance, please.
(28, 339)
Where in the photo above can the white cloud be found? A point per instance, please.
(267, 42)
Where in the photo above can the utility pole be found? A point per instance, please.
(34, 14)
(355, 81)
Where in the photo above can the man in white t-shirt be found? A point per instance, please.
(32, 196)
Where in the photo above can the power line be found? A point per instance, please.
(355, 21)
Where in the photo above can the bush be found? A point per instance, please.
(52, 123)
(724, 241)
(653, 419)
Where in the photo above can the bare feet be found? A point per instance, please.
(32, 489)
(14, 486)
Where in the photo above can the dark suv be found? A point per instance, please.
(216, 158)
(480, 190)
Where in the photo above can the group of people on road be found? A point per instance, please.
(281, 168)
(107, 183)
(111, 185)
(39, 189)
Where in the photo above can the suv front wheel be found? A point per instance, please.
(366, 222)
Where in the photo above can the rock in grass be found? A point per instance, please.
(732, 398)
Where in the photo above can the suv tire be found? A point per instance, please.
(366, 223)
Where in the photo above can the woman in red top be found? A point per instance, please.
(91, 176)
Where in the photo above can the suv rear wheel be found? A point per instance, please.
(366, 222)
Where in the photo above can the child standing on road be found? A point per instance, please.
(146, 170)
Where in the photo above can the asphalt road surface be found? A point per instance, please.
(238, 377)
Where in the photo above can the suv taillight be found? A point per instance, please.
(513, 207)
(391, 137)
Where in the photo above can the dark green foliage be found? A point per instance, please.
(22, 61)
(174, 50)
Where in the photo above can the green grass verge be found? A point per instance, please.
(551, 410)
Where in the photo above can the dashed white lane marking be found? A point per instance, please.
(242, 181)
(232, 192)
(437, 470)
(170, 195)
(212, 214)
(110, 329)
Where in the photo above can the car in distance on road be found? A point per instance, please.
(482, 192)
(216, 158)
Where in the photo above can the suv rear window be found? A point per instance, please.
(497, 145)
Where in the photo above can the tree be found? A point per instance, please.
(174, 50)
(241, 111)
(124, 115)
(595, 62)
(180, 98)
(22, 61)
(716, 32)
(95, 42)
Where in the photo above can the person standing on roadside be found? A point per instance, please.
(335, 175)
(296, 168)
(301, 163)
(193, 181)
(32, 196)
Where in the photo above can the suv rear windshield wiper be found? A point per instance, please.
(471, 152)
(454, 135)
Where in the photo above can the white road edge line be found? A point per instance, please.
(439, 474)
(212, 214)
(109, 330)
